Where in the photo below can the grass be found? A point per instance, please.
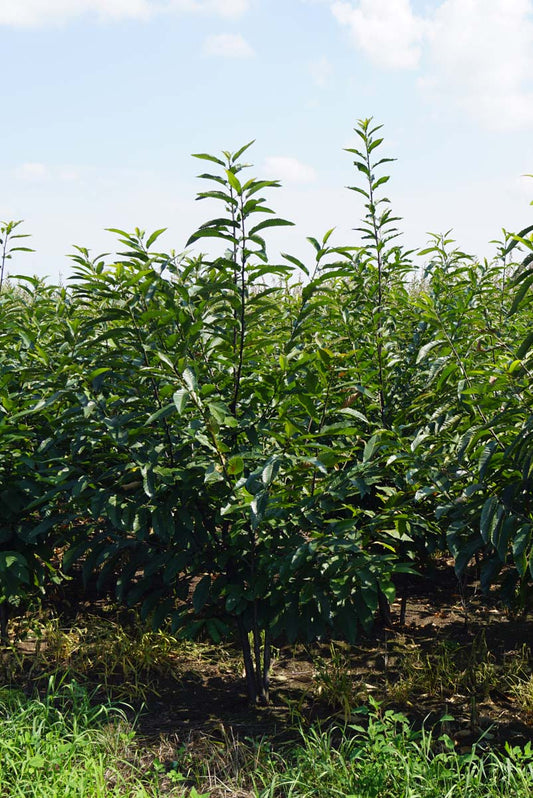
(71, 742)
(386, 758)
(63, 746)
(112, 652)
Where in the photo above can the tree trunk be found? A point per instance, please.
(256, 668)
(248, 662)
(4, 617)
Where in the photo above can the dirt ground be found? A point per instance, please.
(457, 654)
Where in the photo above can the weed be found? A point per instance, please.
(450, 669)
(127, 660)
(336, 683)
(385, 756)
(63, 745)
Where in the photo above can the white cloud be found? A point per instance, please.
(69, 175)
(321, 71)
(523, 187)
(226, 8)
(227, 45)
(36, 13)
(289, 170)
(32, 172)
(223, 8)
(387, 31)
(481, 56)
(475, 54)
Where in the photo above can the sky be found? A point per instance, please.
(103, 102)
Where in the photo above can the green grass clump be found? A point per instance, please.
(386, 758)
(61, 746)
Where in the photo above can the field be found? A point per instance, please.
(283, 512)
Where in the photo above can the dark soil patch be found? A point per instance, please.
(456, 654)
(460, 632)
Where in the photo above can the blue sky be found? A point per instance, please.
(104, 100)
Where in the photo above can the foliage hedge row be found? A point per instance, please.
(233, 442)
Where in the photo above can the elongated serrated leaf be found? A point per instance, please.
(486, 457)
(233, 180)
(242, 150)
(426, 349)
(350, 411)
(148, 481)
(270, 223)
(201, 593)
(489, 518)
(97, 372)
(270, 471)
(163, 412)
(165, 359)
(370, 447)
(219, 195)
(521, 544)
(525, 346)
(381, 181)
(189, 378)
(211, 232)
(180, 399)
(359, 191)
(204, 156)
(155, 235)
(520, 294)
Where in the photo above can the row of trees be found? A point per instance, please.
(233, 443)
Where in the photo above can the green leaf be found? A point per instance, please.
(350, 411)
(180, 399)
(163, 412)
(486, 457)
(270, 223)
(97, 372)
(381, 180)
(235, 465)
(213, 474)
(148, 481)
(211, 232)
(206, 157)
(520, 294)
(525, 346)
(234, 181)
(489, 518)
(426, 349)
(155, 235)
(270, 471)
(242, 150)
(370, 447)
(201, 593)
(189, 378)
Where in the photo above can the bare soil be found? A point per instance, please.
(456, 654)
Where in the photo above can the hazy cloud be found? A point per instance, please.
(32, 172)
(227, 8)
(227, 45)
(36, 13)
(387, 31)
(321, 71)
(289, 170)
(481, 56)
(477, 54)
